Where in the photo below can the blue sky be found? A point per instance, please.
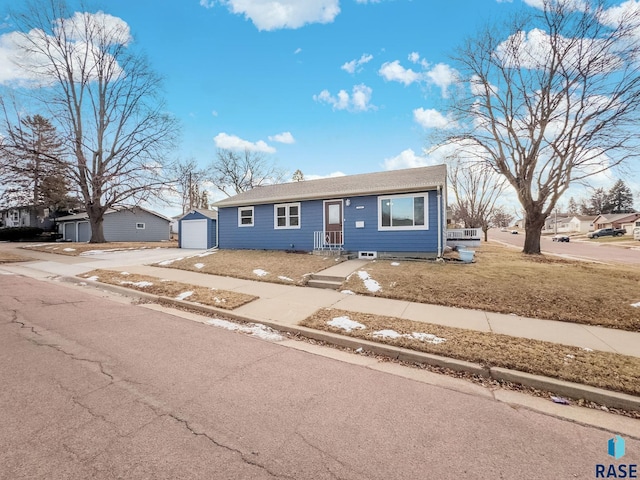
(328, 87)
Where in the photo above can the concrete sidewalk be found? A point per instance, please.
(289, 305)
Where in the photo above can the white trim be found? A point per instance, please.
(244, 209)
(324, 215)
(138, 227)
(424, 195)
(287, 216)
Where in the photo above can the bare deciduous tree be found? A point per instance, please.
(103, 98)
(476, 190)
(189, 184)
(234, 172)
(554, 101)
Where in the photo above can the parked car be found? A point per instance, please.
(514, 232)
(560, 238)
(607, 232)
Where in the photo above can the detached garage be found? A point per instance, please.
(197, 229)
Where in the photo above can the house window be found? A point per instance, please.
(637, 224)
(245, 217)
(140, 226)
(286, 215)
(403, 212)
(15, 216)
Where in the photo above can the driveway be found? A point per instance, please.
(586, 250)
(92, 388)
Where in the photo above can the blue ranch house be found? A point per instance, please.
(394, 213)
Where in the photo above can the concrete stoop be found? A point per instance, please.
(325, 281)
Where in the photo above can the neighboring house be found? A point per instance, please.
(557, 223)
(400, 212)
(197, 229)
(582, 223)
(627, 221)
(133, 224)
(27, 216)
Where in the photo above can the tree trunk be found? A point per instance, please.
(533, 230)
(96, 219)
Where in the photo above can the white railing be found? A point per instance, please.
(464, 237)
(327, 240)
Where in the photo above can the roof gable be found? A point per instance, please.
(395, 181)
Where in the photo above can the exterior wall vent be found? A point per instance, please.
(362, 254)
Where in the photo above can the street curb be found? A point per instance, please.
(561, 387)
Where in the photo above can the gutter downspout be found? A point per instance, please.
(439, 221)
(217, 228)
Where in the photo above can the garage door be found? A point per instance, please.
(70, 232)
(84, 232)
(193, 234)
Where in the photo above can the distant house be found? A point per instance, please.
(197, 229)
(395, 213)
(581, 223)
(26, 216)
(627, 221)
(133, 224)
(560, 222)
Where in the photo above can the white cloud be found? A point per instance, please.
(443, 76)
(297, 51)
(406, 159)
(277, 14)
(394, 72)
(232, 142)
(353, 65)
(208, 3)
(284, 137)
(430, 118)
(358, 101)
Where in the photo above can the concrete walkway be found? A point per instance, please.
(288, 305)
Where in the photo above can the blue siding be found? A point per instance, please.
(211, 228)
(263, 236)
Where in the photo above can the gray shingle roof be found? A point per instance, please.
(395, 181)
(85, 216)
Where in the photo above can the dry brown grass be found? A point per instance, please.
(75, 248)
(280, 267)
(10, 257)
(599, 369)
(506, 281)
(157, 286)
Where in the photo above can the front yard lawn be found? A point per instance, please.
(10, 257)
(83, 248)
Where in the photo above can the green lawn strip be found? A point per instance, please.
(168, 288)
(605, 370)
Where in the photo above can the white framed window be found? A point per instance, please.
(140, 226)
(286, 215)
(245, 216)
(15, 216)
(403, 212)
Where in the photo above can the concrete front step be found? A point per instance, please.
(330, 284)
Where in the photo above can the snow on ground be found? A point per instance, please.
(5, 273)
(184, 295)
(395, 264)
(347, 292)
(285, 279)
(142, 284)
(423, 337)
(199, 265)
(253, 329)
(636, 305)
(261, 273)
(346, 324)
(68, 249)
(169, 262)
(369, 283)
(206, 254)
(93, 279)
(125, 273)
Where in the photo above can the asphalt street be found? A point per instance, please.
(94, 388)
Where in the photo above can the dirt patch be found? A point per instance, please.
(10, 257)
(262, 265)
(76, 249)
(167, 288)
(600, 369)
(506, 281)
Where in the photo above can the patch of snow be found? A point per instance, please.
(587, 349)
(387, 334)
(359, 350)
(169, 262)
(261, 273)
(369, 283)
(82, 283)
(125, 273)
(142, 284)
(285, 279)
(165, 280)
(636, 305)
(346, 324)
(395, 264)
(199, 265)
(218, 300)
(428, 337)
(5, 273)
(68, 249)
(347, 292)
(184, 295)
(93, 279)
(206, 254)
(253, 329)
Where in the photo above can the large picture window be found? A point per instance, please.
(286, 215)
(403, 212)
(245, 217)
